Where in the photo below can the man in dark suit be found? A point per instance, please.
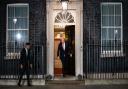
(25, 63)
(62, 53)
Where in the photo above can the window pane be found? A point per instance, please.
(10, 11)
(11, 35)
(108, 45)
(20, 35)
(105, 10)
(118, 33)
(110, 34)
(105, 20)
(104, 33)
(117, 20)
(10, 23)
(21, 12)
(14, 47)
(111, 9)
(111, 20)
(118, 9)
(118, 45)
(22, 23)
(11, 47)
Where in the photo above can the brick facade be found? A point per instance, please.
(92, 36)
(37, 32)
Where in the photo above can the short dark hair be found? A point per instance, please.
(28, 43)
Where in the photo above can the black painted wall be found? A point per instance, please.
(37, 36)
(93, 62)
(92, 27)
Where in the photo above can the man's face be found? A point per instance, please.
(62, 40)
(28, 46)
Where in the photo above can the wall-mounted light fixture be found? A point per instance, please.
(64, 4)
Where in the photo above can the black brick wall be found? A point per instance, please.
(37, 34)
(92, 30)
(37, 28)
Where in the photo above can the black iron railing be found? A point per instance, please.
(106, 62)
(9, 63)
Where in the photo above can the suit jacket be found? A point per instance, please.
(63, 54)
(25, 60)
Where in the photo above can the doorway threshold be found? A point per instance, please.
(65, 78)
(65, 81)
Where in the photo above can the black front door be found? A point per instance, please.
(70, 37)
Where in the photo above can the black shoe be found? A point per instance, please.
(19, 85)
(29, 85)
(64, 75)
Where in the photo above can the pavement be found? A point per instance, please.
(68, 87)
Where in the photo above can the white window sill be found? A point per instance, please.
(112, 54)
(11, 56)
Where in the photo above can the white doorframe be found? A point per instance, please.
(76, 9)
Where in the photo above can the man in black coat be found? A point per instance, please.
(62, 53)
(25, 63)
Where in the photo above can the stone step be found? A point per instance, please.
(64, 82)
(24, 82)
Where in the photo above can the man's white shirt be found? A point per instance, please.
(26, 51)
(63, 44)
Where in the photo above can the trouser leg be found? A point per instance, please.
(28, 76)
(21, 75)
(64, 67)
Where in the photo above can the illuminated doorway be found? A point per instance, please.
(68, 32)
(75, 12)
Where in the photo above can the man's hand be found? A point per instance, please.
(21, 66)
(31, 66)
(70, 55)
(58, 57)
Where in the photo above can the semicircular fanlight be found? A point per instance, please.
(64, 17)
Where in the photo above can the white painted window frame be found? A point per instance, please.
(14, 55)
(112, 53)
